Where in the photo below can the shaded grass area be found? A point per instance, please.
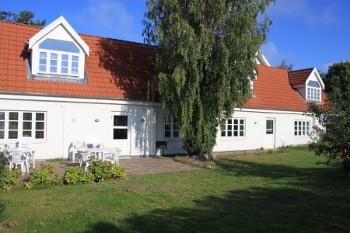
(292, 191)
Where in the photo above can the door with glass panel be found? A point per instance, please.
(270, 134)
(121, 133)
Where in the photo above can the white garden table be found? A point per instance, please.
(22, 156)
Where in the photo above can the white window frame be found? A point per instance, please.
(173, 130)
(20, 130)
(313, 93)
(59, 63)
(302, 128)
(121, 127)
(224, 133)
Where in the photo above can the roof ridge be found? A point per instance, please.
(20, 24)
(311, 68)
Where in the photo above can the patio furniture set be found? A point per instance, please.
(22, 155)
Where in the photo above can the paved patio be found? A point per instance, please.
(134, 166)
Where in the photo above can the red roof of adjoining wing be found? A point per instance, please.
(299, 76)
(115, 69)
(273, 91)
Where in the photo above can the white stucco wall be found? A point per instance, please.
(91, 120)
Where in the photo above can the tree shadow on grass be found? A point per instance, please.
(312, 202)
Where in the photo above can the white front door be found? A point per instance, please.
(121, 132)
(270, 133)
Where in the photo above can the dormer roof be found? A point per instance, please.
(299, 77)
(60, 21)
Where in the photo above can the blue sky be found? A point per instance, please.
(306, 33)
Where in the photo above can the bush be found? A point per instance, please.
(117, 172)
(43, 175)
(3, 161)
(103, 170)
(9, 178)
(76, 175)
(100, 169)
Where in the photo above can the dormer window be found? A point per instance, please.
(313, 91)
(58, 53)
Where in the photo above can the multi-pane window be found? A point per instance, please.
(75, 64)
(42, 61)
(233, 127)
(313, 91)
(64, 64)
(53, 63)
(171, 128)
(302, 128)
(120, 127)
(17, 125)
(2, 125)
(58, 63)
(27, 124)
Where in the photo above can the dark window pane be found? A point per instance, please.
(2, 134)
(223, 133)
(27, 125)
(39, 134)
(235, 127)
(241, 122)
(13, 115)
(167, 127)
(269, 126)
(13, 125)
(27, 133)
(27, 116)
(40, 116)
(241, 133)
(229, 133)
(235, 133)
(120, 121)
(120, 134)
(235, 121)
(229, 121)
(2, 116)
(2, 125)
(13, 134)
(229, 127)
(39, 125)
(167, 134)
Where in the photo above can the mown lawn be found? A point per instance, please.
(285, 192)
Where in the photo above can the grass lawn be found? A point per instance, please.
(285, 192)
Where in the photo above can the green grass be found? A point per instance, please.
(293, 191)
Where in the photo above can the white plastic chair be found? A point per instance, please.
(27, 148)
(112, 155)
(78, 151)
(18, 158)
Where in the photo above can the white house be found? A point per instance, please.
(58, 87)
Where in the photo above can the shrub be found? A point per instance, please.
(28, 185)
(117, 172)
(3, 161)
(76, 175)
(208, 164)
(100, 169)
(43, 175)
(9, 178)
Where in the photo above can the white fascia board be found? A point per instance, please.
(46, 98)
(268, 111)
(318, 76)
(262, 59)
(59, 21)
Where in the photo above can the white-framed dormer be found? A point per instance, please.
(313, 87)
(57, 51)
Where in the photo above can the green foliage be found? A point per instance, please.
(332, 136)
(103, 170)
(285, 65)
(3, 161)
(43, 175)
(28, 185)
(25, 17)
(76, 175)
(9, 178)
(205, 59)
(117, 172)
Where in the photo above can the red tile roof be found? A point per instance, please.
(299, 76)
(121, 69)
(115, 68)
(273, 91)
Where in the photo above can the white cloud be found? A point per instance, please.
(107, 15)
(312, 14)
